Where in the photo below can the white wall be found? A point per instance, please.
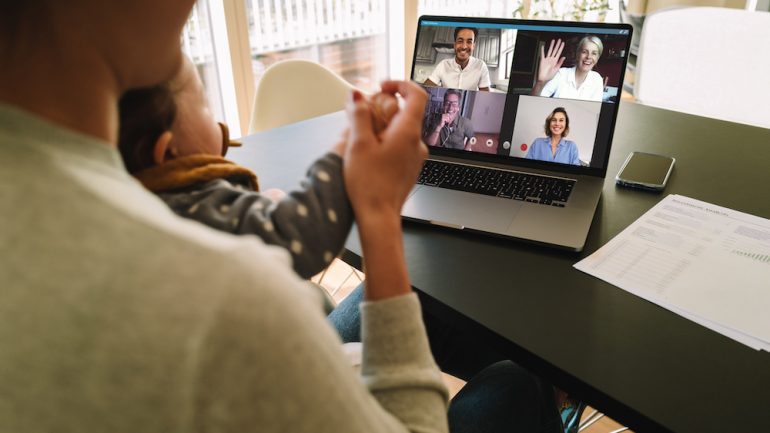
(486, 113)
(530, 122)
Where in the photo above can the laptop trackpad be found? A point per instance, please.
(461, 209)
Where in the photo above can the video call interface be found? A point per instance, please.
(526, 91)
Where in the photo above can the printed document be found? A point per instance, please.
(705, 262)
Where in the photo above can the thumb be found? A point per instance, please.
(561, 61)
(360, 117)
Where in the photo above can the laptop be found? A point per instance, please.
(520, 136)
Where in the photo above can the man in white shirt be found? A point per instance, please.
(463, 71)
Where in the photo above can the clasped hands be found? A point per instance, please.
(382, 149)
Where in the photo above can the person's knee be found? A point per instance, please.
(502, 397)
(507, 380)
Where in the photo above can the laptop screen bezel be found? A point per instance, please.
(522, 162)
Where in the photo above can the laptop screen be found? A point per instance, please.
(534, 93)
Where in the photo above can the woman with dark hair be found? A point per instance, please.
(117, 315)
(555, 147)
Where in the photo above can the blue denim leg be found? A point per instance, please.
(346, 317)
(504, 398)
(499, 395)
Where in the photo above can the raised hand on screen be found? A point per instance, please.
(550, 62)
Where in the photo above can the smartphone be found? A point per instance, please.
(645, 171)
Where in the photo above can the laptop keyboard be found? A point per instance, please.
(532, 188)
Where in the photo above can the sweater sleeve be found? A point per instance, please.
(312, 222)
(397, 364)
(271, 363)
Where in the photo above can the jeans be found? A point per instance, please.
(499, 396)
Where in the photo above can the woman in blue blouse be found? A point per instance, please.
(554, 147)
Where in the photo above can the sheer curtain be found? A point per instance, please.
(233, 41)
(198, 44)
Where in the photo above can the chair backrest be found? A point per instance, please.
(294, 90)
(707, 61)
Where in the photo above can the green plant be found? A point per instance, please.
(573, 10)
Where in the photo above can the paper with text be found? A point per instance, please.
(705, 262)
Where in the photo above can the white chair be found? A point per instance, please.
(294, 90)
(707, 61)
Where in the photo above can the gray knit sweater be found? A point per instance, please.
(118, 316)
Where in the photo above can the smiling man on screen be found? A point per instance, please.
(463, 71)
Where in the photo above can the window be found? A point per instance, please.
(469, 8)
(197, 43)
(572, 10)
(233, 41)
(346, 36)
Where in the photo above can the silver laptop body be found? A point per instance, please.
(509, 130)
